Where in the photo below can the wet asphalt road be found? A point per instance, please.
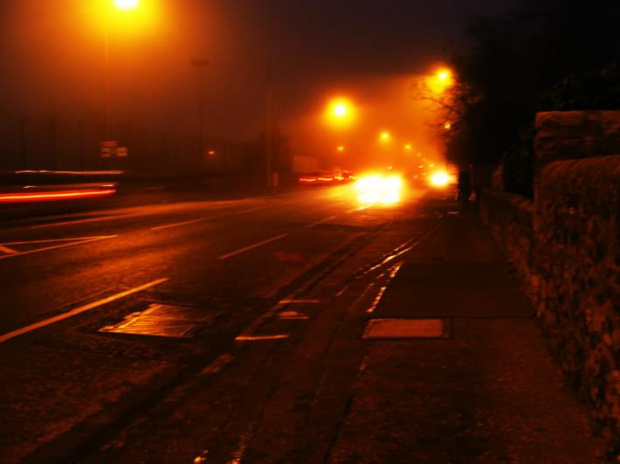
(248, 247)
(75, 394)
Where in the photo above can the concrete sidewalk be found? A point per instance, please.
(482, 390)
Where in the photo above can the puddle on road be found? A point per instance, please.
(161, 320)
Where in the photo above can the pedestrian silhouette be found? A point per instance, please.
(464, 186)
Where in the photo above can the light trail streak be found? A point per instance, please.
(53, 196)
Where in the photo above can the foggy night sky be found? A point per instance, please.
(52, 61)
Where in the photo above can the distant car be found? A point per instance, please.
(326, 178)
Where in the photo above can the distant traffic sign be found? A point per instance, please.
(109, 144)
(109, 151)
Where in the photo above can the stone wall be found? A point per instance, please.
(564, 245)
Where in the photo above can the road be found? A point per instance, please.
(226, 276)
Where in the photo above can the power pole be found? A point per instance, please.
(201, 66)
(269, 135)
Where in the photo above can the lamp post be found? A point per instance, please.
(269, 135)
(200, 65)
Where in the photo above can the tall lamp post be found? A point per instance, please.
(200, 65)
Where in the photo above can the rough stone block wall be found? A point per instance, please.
(577, 263)
(564, 245)
(576, 134)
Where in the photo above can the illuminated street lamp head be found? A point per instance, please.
(340, 113)
(126, 4)
(340, 148)
(444, 75)
(440, 81)
(384, 136)
(340, 110)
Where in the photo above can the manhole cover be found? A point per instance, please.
(406, 328)
(160, 320)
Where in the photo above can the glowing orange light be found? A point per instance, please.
(447, 125)
(408, 147)
(126, 4)
(340, 148)
(444, 75)
(54, 196)
(440, 81)
(384, 136)
(340, 110)
(373, 189)
(340, 113)
(440, 179)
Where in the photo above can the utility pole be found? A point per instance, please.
(201, 65)
(269, 134)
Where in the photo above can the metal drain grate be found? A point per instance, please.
(160, 320)
(378, 329)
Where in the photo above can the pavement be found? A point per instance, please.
(457, 370)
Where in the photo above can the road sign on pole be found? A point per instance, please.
(110, 149)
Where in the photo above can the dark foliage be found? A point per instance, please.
(547, 55)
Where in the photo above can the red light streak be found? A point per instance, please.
(53, 196)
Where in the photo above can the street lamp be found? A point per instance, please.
(442, 80)
(126, 4)
(340, 112)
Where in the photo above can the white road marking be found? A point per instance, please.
(322, 221)
(218, 364)
(355, 210)
(293, 301)
(86, 221)
(253, 338)
(7, 250)
(210, 218)
(73, 242)
(251, 247)
(81, 309)
(293, 315)
(184, 223)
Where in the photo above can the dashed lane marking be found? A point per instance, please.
(252, 247)
(218, 364)
(65, 242)
(253, 338)
(321, 221)
(178, 224)
(115, 217)
(209, 218)
(294, 301)
(81, 309)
